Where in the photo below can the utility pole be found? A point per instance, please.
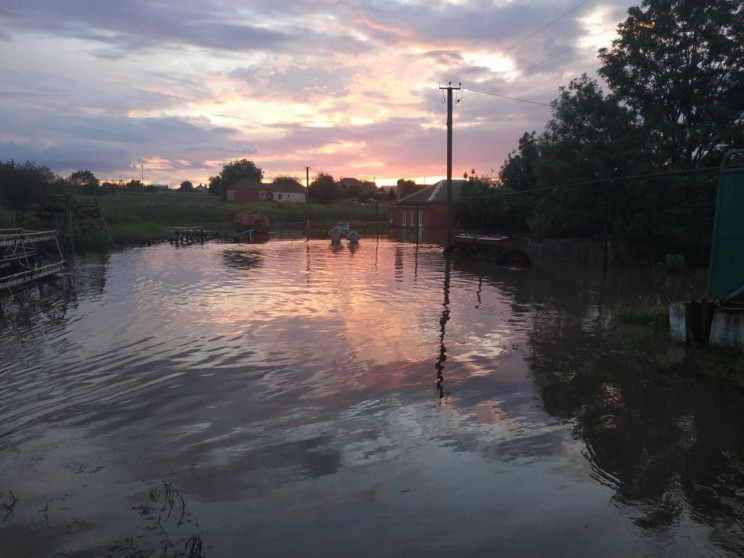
(449, 89)
(307, 203)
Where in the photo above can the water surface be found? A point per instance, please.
(288, 398)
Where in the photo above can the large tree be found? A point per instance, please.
(86, 180)
(22, 186)
(324, 189)
(590, 139)
(518, 171)
(232, 173)
(680, 64)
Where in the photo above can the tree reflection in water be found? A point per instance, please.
(672, 447)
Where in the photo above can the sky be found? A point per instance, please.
(168, 91)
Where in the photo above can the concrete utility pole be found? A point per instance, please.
(449, 89)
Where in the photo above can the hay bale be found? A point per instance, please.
(248, 220)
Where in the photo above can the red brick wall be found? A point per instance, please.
(435, 215)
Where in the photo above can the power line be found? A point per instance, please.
(556, 55)
(592, 182)
(505, 97)
(547, 25)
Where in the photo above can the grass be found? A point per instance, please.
(652, 316)
(139, 217)
(136, 218)
(721, 364)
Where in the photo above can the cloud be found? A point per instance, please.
(352, 88)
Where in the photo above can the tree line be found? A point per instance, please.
(635, 152)
(323, 189)
(24, 185)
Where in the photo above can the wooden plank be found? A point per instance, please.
(14, 239)
(30, 275)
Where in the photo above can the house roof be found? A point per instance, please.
(349, 182)
(289, 188)
(248, 183)
(436, 193)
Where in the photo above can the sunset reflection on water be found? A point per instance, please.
(318, 400)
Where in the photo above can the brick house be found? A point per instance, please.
(249, 190)
(427, 208)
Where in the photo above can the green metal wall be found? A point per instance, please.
(726, 273)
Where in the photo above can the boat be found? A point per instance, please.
(26, 256)
(506, 248)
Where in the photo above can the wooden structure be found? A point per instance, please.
(504, 248)
(25, 256)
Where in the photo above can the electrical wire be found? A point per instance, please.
(505, 97)
(591, 182)
(556, 20)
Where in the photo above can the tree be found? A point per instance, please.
(324, 188)
(86, 180)
(680, 65)
(590, 139)
(286, 180)
(232, 173)
(186, 186)
(518, 171)
(24, 185)
(517, 174)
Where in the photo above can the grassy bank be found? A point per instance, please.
(137, 218)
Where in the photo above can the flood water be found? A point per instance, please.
(289, 399)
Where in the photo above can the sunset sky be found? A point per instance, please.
(172, 91)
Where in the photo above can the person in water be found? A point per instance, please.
(335, 234)
(353, 235)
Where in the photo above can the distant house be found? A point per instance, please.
(249, 190)
(286, 191)
(347, 183)
(426, 208)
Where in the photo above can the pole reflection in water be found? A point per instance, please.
(442, 326)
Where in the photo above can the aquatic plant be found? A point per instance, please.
(7, 507)
(164, 514)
